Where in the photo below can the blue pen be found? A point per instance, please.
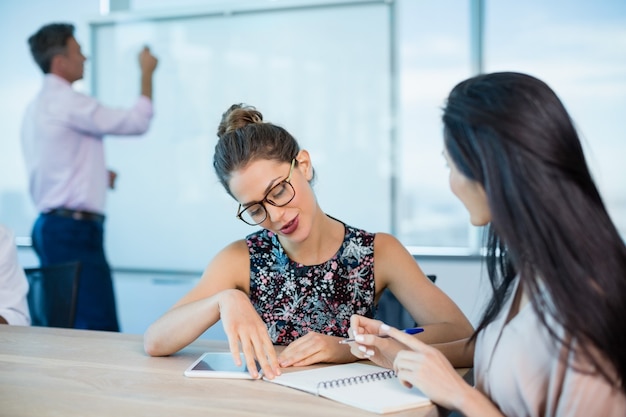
(412, 330)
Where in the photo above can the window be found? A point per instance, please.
(433, 55)
(577, 47)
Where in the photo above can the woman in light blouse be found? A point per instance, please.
(551, 341)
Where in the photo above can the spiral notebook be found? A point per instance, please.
(360, 385)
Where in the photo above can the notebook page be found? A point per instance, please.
(378, 395)
(309, 379)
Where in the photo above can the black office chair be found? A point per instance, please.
(391, 311)
(53, 293)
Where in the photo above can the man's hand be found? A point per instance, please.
(147, 61)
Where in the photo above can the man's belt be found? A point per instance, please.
(77, 214)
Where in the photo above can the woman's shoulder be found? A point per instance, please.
(234, 249)
(351, 231)
(382, 239)
(229, 265)
(390, 252)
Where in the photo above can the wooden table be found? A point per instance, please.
(67, 372)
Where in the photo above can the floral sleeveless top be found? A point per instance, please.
(294, 299)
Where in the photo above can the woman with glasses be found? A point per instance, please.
(552, 340)
(298, 278)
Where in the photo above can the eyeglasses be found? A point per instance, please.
(278, 196)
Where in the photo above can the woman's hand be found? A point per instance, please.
(380, 351)
(244, 328)
(428, 369)
(314, 348)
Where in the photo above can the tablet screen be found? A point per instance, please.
(219, 365)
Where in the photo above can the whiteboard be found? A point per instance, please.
(323, 73)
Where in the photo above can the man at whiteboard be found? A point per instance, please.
(62, 143)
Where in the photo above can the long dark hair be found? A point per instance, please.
(243, 137)
(511, 133)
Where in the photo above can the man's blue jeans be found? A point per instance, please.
(61, 239)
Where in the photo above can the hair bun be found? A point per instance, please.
(238, 116)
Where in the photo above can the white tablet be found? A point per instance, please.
(219, 365)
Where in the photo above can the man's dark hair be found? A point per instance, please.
(49, 41)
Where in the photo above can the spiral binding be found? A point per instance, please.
(359, 379)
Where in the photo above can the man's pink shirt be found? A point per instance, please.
(62, 134)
